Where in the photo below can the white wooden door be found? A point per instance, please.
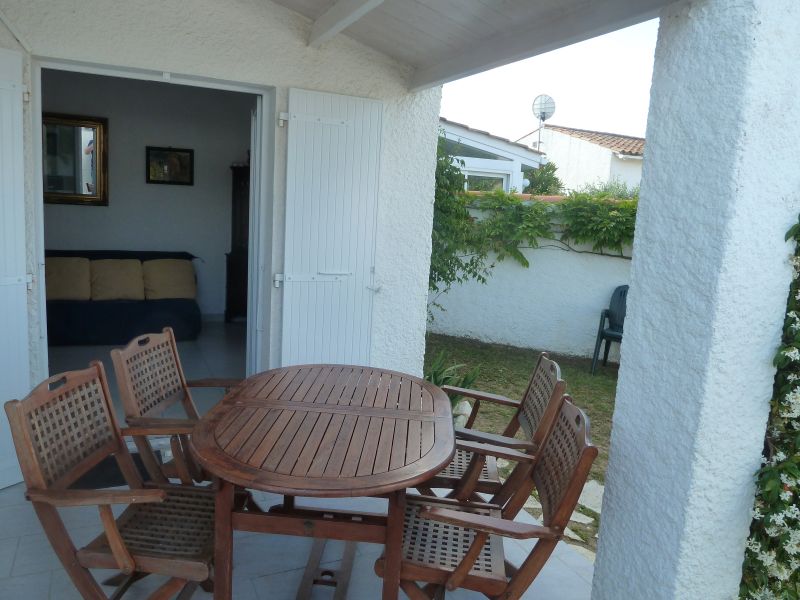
(14, 349)
(331, 208)
(255, 312)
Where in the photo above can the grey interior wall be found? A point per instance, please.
(141, 216)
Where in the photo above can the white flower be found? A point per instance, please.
(780, 572)
(792, 353)
(786, 495)
(792, 512)
(792, 402)
(792, 545)
(763, 594)
(756, 514)
(795, 262)
(791, 377)
(767, 558)
(779, 457)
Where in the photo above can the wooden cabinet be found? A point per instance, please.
(236, 259)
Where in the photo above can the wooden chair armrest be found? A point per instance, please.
(120, 552)
(214, 382)
(504, 527)
(492, 450)
(422, 499)
(478, 395)
(491, 438)
(156, 426)
(95, 497)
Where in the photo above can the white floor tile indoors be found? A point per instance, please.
(266, 567)
(219, 351)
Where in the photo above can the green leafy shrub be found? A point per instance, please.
(771, 568)
(440, 373)
(508, 224)
(614, 188)
(454, 240)
(602, 221)
(543, 181)
(466, 246)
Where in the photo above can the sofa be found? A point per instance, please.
(108, 297)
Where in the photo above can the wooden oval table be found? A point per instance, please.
(324, 431)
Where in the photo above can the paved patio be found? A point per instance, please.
(266, 567)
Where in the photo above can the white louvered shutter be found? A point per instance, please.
(331, 207)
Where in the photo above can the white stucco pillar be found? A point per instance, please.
(721, 186)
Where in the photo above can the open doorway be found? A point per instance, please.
(170, 245)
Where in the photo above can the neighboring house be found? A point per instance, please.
(586, 157)
(343, 151)
(489, 161)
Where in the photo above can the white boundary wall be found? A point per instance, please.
(552, 305)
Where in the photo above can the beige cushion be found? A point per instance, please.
(114, 279)
(67, 278)
(169, 278)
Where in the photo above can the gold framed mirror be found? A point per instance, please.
(75, 159)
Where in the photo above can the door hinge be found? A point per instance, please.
(26, 94)
(277, 279)
(283, 118)
(29, 281)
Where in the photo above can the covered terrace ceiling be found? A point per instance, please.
(449, 39)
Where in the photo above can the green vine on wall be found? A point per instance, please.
(771, 568)
(472, 233)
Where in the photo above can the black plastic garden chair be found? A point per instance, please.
(615, 315)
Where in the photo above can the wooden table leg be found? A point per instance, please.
(394, 545)
(223, 542)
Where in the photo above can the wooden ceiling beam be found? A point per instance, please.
(339, 17)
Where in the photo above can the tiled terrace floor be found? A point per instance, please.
(266, 567)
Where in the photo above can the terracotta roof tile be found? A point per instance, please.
(624, 144)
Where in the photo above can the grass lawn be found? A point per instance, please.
(506, 370)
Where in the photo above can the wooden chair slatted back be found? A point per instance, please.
(150, 377)
(563, 465)
(559, 476)
(64, 427)
(537, 397)
(536, 417)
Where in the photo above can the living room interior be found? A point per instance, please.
(146, 225)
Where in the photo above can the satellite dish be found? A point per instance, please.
(543, 107)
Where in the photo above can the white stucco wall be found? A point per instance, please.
(579, 162)
(553, 305)
(258, 42)
(704, 317)
(626, 170)
(142, 216)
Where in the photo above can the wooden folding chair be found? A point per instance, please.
(474, 466)
(150, 380)
(61, 430)
(449, 545)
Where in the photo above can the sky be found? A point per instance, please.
(601, 84)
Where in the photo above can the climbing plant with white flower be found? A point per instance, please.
(771, 569)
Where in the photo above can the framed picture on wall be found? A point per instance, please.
(171, 166)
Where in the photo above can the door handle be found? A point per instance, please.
(375, 288)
